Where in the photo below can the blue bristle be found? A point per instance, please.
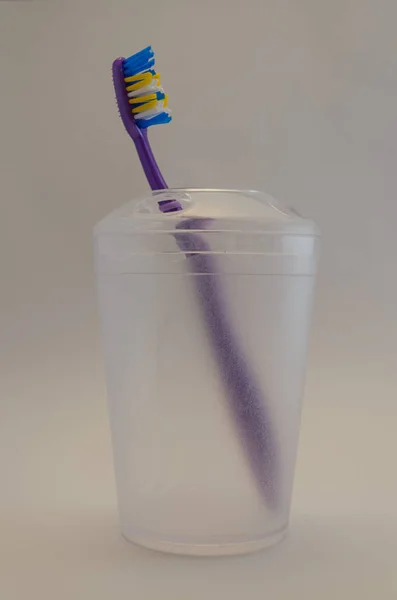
(134, 69)
(141, 61)
(142, 52)
(160, 119)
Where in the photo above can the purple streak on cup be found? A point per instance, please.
(247, 402)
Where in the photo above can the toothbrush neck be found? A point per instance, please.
(149, 164)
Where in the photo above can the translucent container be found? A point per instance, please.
(205, 315)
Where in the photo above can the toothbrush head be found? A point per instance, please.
(140, 97)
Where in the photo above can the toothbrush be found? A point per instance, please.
(143, 103)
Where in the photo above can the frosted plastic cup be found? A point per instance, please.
(205, 316)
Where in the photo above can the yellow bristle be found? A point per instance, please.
(146, 106)
(140, 99)
(138, 81)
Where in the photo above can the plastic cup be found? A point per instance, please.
(205, 316)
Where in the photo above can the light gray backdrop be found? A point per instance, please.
(297, 98)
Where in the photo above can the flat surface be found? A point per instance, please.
(67, 555)
(59, 532)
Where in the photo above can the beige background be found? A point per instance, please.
(318, 132)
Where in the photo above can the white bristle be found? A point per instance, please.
(150, 88)
(159, 108)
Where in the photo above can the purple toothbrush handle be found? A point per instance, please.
(247, 402)
(152, 171)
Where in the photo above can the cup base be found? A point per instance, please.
(218, 547)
